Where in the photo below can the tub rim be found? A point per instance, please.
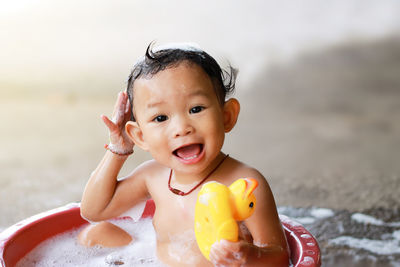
(19, 239)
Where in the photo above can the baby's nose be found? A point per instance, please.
(182, 127)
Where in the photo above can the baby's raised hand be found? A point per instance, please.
(225, 253)
(120, 143)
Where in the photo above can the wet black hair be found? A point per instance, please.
(156, 61)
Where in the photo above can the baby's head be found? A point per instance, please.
(159, 59)
(179, 111)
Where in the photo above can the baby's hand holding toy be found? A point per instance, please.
(226, 253)
(218, 207)
(120, 143)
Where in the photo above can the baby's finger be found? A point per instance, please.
(118, 102)
(238, 250)
(127, 106)
(117, 107)
(218, 260)
(125, 103)
(110, 125)
(128, 113)
(220, 256)
(124, 111)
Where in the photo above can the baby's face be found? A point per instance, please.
(180, 118)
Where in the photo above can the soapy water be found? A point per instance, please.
(180, 248)
(381, 247)
(63, 250)
(345, 239)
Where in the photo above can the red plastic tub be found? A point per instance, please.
(19, 239)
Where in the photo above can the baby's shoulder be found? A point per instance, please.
(150, 168)
(239, 169)
(242, 170)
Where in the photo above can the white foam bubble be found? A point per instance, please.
(321, 213)
(63, 250)
(366, 219)
(393, 224)
(381, 247)
(180, 249)
(136, 212)
(396, 235)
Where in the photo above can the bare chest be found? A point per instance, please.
(176, 241)
(174, 216)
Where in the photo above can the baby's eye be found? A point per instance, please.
(196, 109)
(160, 118)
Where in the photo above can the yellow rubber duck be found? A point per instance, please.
(218, 207)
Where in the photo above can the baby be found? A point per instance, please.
(176, 108)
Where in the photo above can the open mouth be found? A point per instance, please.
(189, 152)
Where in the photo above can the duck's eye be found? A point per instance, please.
(251, 204)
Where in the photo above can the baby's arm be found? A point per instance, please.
(269, 247)
(104, 197)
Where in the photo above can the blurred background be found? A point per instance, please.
(319, 85)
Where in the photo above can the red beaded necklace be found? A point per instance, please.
(181, 193)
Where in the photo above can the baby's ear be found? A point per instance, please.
(231, 114)
(135, 134)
